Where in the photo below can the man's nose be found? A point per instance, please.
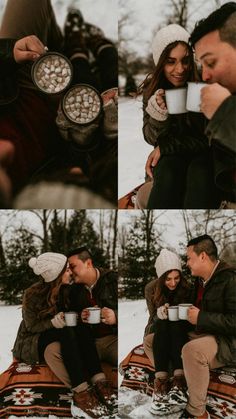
(206, 74)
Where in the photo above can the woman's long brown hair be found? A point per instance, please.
(159, 294)
(157, 79)
(47, 296)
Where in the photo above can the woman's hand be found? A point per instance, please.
(152, 161)
(162, 312)
(108, 316)
(28, 49)
(160, 99)
(58, 320)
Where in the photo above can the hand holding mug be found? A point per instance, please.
(28, 48)
(212, 96)
(85, 315)
(193, 314)
(108, 316)
(160, 99)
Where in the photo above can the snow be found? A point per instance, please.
(133, 150)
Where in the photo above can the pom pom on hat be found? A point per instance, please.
(49, 265)
(167, 261)
(167, 36)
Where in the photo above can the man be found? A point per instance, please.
(96, 287)
(213, 342)
(215, 46)
(92, 287)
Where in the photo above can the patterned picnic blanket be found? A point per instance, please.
(33, 390)
(138, 374)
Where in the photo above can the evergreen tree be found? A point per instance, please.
(16, 275)
(82, 233)
(136, 267)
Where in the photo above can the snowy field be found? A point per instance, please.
(133, 150)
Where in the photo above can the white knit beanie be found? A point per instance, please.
(49, 265)
(167, 261)
(165, 37)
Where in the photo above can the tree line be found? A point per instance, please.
(58, 231)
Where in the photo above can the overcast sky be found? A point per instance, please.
(149, 15)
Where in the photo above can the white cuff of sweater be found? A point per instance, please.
(154, 110)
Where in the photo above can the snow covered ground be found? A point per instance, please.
(133, 150)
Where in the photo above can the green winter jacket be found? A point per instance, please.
(26, 344)
(221, 132)
(218, 312)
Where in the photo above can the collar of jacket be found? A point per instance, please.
(222, 266)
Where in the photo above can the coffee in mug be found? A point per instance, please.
(94, 315)
(194, 96)
(176, 100)
(71, 318)
(173, 313)
(183, 311)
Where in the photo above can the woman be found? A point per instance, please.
(179, 163)
(43, 324)
(164, 339)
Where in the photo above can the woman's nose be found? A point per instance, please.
(179, 67)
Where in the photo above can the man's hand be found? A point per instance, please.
(85, 315)
(108, 316)
(28, 48)
(211, 98)
(152, 161)
(193, 314)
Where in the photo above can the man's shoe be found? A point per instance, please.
(186, 415)
(86, 405)
(178, 391)
(106, 394)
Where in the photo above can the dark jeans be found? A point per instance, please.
(169, 183)
(201, 191)
(169, 338)
(105, 78)
(184, 181)
(78, 350)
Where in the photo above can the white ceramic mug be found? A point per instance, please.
(173, 313)
(176, 100)
(194, 96)
(94, 315)
(183, 311)
(71, 318)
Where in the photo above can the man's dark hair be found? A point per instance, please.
(222, 19)
(82, 252)
(204, 244)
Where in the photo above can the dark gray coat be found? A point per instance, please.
(221, 132)
(218, 313)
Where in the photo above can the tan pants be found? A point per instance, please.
(107, 348)
(199, 356)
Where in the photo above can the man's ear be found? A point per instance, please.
(89, 263)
